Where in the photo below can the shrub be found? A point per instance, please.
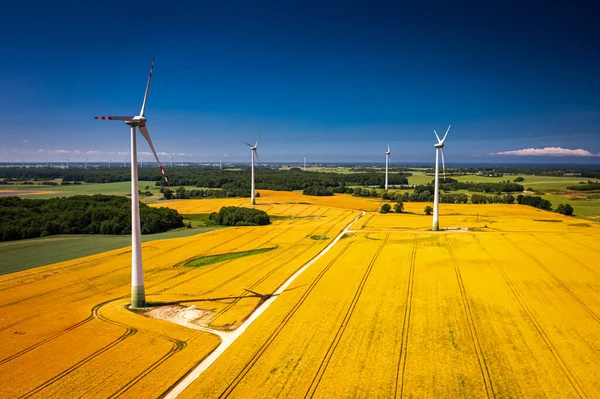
(428, 210)
(385, 208)
(398, 207)
(519, 179)
(565, 209)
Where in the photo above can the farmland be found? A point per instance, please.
(505, 307)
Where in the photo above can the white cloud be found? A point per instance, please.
(92, 152)
(41, 150)
(25, 141)
(549, 151)
(62, 151)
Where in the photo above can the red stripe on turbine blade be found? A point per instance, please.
(95, 117)
(109, 118)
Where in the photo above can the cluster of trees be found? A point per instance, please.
(182, 193)
(319, 191)
(519, 179)
(501, 187)
(492, 199)
(238, 216)
(398, 208)
(565, 209)
(537, 202)
(97, 214)
(589, 186)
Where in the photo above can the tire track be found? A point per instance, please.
(543, 334)
(567, 256)
(406, 323)
(556, 279)
(485, 372)
(248, 366)
(235, 301)
(310, 393)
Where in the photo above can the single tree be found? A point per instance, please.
(385, 208)
(428, 210)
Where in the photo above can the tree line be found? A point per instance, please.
(81, 214)
(239, 216)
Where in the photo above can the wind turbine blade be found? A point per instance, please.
(114, 118)
(444, 139)
(147, 89)
(257, 160)
(388, 148)
(248, 144)
(144, 132)
(256, 145)
(443, 165)
(438, 137)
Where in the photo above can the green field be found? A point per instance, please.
(27, 254)
(212, 259)
(120, 188)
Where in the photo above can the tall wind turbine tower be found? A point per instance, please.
(439, 147)
(254, 152)
(387, 164)
(171, 158)
(125, 161)
(67, 160)
(138, 295)
(305, 164)
(85, 163)
(220, 162)
(142, 163)
(109, 162)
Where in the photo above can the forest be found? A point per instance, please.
(81, 214)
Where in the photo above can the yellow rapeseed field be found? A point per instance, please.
(505, 305)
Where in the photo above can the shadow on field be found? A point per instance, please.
(252, 294)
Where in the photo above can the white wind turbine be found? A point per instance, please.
(305, 164)
(138, 296)
(220, 162)
(142, 163)
(109, 162)
(171, 158)
(254, 152)
(67, 160)
(85, 163)
(439, 147)
(387, 163)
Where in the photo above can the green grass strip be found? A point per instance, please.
(212, 259)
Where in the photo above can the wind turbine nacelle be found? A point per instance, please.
(439, 145)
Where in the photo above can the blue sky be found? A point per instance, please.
(330, 80)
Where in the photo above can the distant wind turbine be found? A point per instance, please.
(109, 162)
(305, 164)
(220, 162)
(439, 147)
(138, 296)
(125, 161)
(254, 152)
(86, 163)
(387, 163)
(171, 158)
(67, 160)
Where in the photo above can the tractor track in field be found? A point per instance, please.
(485, 372)
(580, 243)
(250, 268)
(314, 385)
(248, 366)
(220, 265)
(254, 285)
(568, 256)
(406, 324)
(556, 279)
(543, 334)
(78, 324)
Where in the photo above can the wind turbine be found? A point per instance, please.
(138, 296)
(67, 160)
(254, 152)
(439, 147)
(125, 161)
(171, 158)
(387, 163)
(109, 162)
(305, 164)
(86, 163)
(182, 162)
(142, 165)
(220, 162)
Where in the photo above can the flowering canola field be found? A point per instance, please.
(506, 305)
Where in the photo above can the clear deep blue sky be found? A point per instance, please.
(329, 80)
